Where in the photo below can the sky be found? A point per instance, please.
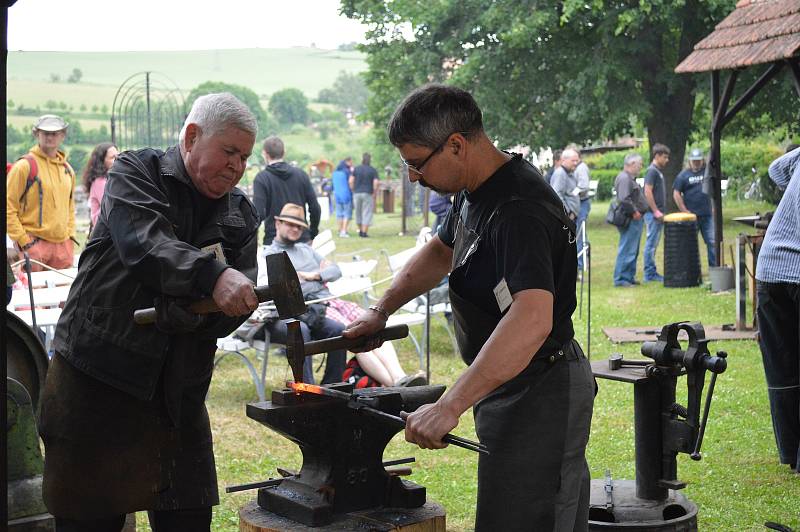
(134, 25)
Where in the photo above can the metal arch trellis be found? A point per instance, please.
(148, 111)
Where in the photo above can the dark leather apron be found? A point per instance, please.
(109, 453)
(523, 422)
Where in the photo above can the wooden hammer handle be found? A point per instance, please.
(147, 316)
(394, 332)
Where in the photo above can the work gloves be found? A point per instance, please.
(174, 317)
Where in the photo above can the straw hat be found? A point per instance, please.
(294, 214)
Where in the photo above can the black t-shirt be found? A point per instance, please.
(363, 175)
(525, 244)
(655, 178)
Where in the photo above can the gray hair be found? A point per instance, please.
(632, 158)
(433, 112)
(215, 112)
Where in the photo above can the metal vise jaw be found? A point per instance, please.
(342, 452)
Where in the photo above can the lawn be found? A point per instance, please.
(738, 484)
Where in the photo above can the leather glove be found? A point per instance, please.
(173, 318)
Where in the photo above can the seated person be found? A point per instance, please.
(327, 319)
(380, 364)
(313, 272)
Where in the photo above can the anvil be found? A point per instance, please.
(342, 452)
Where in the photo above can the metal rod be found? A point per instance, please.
(696, 453)
(30, 290)
(588, 259)
(352, 401)
(276, 481)
(254, 485)
(428, 336)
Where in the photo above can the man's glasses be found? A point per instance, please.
(418, 169)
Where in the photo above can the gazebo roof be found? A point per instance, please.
(757, 31)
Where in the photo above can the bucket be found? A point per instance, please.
(721, 278)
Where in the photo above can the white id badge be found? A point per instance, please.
(216, 249)
(502, 295)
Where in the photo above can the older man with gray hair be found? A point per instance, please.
(565, 183)
(123, 417)
(629, 194)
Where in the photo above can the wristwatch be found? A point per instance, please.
(380, 310)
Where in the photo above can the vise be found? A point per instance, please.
(663, 428)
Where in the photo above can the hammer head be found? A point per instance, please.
(295, 349)
(284, 286)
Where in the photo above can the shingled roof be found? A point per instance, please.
(757, 31)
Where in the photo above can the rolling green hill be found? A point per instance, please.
(263, 70)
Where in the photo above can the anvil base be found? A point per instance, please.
(428, 518)
(676, 513)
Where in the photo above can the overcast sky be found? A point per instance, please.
(120, 25)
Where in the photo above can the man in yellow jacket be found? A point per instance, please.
(40, 207)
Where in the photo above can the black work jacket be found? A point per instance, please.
(147, 243)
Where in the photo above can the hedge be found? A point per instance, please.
(739, 158)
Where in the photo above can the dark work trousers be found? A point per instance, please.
(334, 366)
(778, 325)
(537, 428)
(195, 519)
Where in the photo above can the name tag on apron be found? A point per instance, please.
(216, 249)
(502, 295)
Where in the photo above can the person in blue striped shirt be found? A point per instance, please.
(778, 287)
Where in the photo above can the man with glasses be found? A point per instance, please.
(510, 250)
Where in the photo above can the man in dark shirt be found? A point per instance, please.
(280, 183)
(510, 250)
(654, 193)
(364, 184)
(687, 191)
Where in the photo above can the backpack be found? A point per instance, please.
(33, 177)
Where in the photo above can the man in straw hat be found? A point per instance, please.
(313, 271)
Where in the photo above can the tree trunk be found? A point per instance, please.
(671, 96)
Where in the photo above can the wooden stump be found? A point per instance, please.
(428, 518)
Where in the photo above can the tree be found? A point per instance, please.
(54, 78)
(289, 106)
(75, 76)
(349, 91)
(546, 72)
(13, 136)
(246, 95)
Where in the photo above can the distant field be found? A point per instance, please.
(24, 123)
(31, 93)
(262, 70)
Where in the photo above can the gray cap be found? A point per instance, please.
(50, 123)
(696, 155)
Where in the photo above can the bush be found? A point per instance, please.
(606, 166)
(740, 157)
(77, 158)
(605, 184)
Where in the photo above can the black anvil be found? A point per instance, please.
(342, 450)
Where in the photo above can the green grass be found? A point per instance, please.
(262, 70)
(738, 484)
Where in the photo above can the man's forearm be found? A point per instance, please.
(422, 272)
(679, 201)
